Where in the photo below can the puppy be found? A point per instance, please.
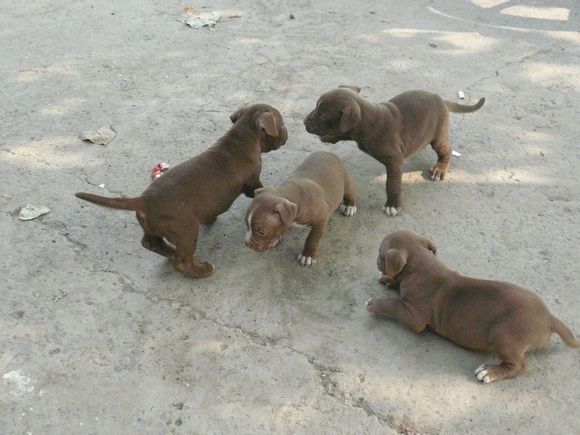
(477, 314)
(198, 190)
(390, 132)
(308, 197)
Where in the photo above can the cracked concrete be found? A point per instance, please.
(98, 335)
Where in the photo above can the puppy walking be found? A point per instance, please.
(308, 197)
(390, 132)
(198, 190)
(477, 314)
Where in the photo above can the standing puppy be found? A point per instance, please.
(390, 132)
(200, 189)
(474, 313)
(308, 197)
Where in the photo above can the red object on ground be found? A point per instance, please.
(158, 171)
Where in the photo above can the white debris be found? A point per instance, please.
(102, 186)
(59, 295)
(455, 153)
(20, 382)
(208, 19)
(461, 95)
(101, 136)
(29, 212)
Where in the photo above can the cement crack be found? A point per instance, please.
(510, 63)
(330, 387)
(84, 177)
(8, 151)
(345, 398)
(62, 229)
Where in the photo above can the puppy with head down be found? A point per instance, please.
(390, 132)
(474, 313)
(308, 197)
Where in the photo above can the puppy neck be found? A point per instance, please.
(376, 120)
(243, 140)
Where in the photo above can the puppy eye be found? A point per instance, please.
(259, 231)
(324, 116)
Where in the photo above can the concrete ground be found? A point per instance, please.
(98, 335)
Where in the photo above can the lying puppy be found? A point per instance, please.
(390, 132)
(200, 189)
(474, 313)
(308, 197)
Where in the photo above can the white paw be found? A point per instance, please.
(347, 210)
(436, 176)
(305, 261)
(383, 278)
(368, 302)
(391, 211)
(482, 375)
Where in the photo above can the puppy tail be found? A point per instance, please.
(564, 332)
(119, 203)
(460, 108)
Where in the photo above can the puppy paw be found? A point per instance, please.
(438, 173)
(306, 261)
(347, 210)
(374, 305)
(483, 374)
(383, 279)
(391, 211)
(198, 270)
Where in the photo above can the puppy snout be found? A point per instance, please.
(258, 247)
(309, 124)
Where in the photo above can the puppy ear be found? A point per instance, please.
(430, 244)
(381, 262)
(267, 123)
(287, 211)
(396, 260)
(351, 116)
(237, 114)
(352, 88)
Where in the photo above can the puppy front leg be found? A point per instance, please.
(400, 310)
(308, 255)
(394, 179)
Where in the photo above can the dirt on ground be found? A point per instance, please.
(98, 335)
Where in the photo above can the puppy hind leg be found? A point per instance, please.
(151, 241)
(185, 245)
(513, 363)
(442, 147)
(158, 245)
(506, 341)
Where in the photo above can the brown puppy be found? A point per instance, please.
(308, 197)
(390, 132)
(474, 313)
(200, 189)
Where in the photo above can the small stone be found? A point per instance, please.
(17, 314)
(291, 16)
